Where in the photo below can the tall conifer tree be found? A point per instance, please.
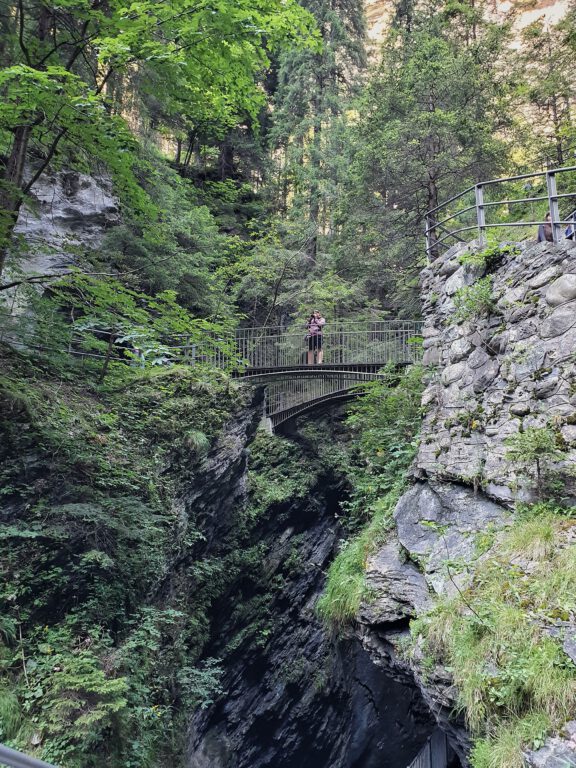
(313, 91)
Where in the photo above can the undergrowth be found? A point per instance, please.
(101, 641)
(346, 583)
(385, 424)
(501, 637)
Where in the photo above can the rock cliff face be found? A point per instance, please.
(502, 372)
(435, 523)
(295, 695)
(505, 371)
(71, 211)
(379, 14)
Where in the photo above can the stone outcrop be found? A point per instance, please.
(509, 369)
(502, 372)
(437, 525)
(68, 216)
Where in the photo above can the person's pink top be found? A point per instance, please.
(315, 326)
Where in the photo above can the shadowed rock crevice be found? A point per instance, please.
(297, 696)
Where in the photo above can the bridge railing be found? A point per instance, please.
(343, 343)
(269, 347)
(247, 351)
(503, 204)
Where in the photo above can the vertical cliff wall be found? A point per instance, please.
(296, 694)
(500, 363)
(508, 367)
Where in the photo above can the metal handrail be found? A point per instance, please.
(15, 759)
(436, 752)
(481, 225)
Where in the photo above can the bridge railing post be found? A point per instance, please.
(553, 206)
(480, 213)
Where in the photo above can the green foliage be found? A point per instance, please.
(515, 682)
(384, 424)
(536, 450)
(111, 668)
(474, 301)
(345, 586)
(279, 473)
(426, 118)
(489, 258)
(64, 67)
(111, 327)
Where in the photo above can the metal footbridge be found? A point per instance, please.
(353, 353)
(276, 357)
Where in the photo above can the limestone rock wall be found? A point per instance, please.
(68, 216)
(502, 372)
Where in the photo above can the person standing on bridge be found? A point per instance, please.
(315, 326)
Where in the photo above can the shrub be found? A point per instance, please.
(535, 450)
(489, 258)
(474, 301)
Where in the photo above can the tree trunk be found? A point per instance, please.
(557, 131)
(226, 160)
(314, 206)
(11, 188)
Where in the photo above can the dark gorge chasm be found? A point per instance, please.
(297, 695)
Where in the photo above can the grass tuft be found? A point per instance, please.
(346, 582)
(515, 683)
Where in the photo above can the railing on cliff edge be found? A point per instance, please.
(472, 219)
(354, 352)
(13, 759)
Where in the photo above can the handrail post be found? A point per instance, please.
(553, 206)
(427, 236)
(480, 213)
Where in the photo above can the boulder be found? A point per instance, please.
(460, 349)
(455, 282)
(542, 278)
(562, 290)
(431, 356)
(485, 375)
(556, 753)
(437, 522)
(399, 587)
(560, 321)
(453, 373)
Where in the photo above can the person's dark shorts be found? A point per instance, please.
(314, 342)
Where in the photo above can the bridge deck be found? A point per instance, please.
(323, 369)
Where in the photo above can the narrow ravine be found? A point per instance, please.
(297, 694)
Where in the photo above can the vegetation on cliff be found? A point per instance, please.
(262, 164)
(107, 575)
(384, 426)
(500, 635)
